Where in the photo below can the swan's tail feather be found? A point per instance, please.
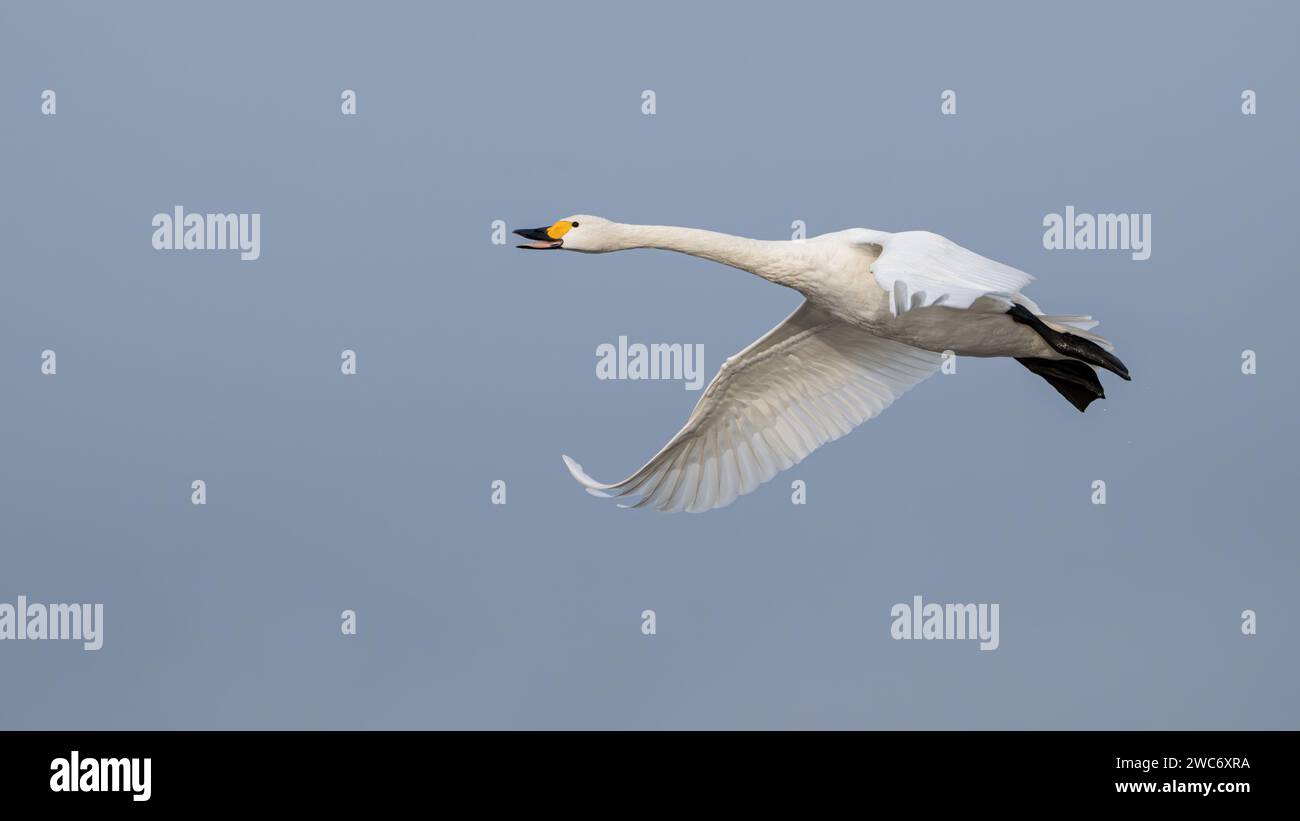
(1064, 323)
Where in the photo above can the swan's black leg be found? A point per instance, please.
(1067, 344)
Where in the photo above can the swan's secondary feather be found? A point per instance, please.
(920, 269)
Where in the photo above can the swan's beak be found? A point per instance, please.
(542, 239)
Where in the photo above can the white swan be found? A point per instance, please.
(879, 308)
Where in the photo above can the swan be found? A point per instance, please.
(879, 309)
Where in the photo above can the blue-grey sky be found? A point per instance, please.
(476, 362)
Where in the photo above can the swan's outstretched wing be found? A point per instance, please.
(919, 268)
(806, 382)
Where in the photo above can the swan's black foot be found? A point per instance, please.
(1072, 379)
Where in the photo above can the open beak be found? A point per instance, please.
(542, 241)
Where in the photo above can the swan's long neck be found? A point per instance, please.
(779, 262)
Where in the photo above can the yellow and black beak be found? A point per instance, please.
(545, 239)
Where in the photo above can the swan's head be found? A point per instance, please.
(580, 232)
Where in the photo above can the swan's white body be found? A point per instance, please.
(879, 310)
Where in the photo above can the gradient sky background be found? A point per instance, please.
(477, 363)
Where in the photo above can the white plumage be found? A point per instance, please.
(920, 269)
(806, 382)
(880, 308)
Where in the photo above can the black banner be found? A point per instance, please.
(91, 770)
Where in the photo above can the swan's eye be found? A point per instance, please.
(575, 225)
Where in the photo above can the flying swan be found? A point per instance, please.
(878, 309)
